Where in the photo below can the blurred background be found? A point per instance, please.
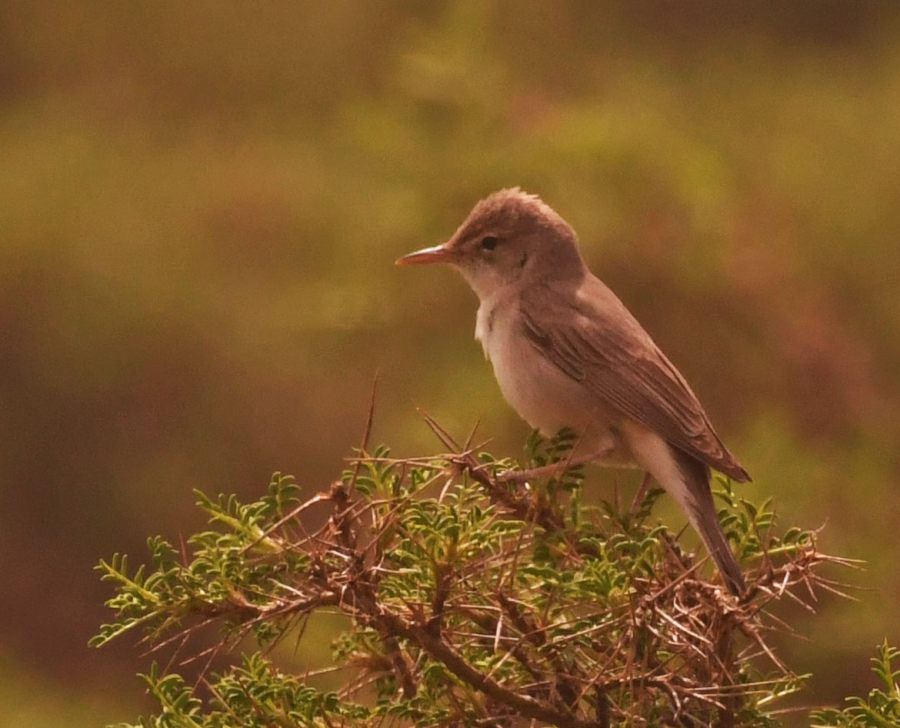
(200, 205)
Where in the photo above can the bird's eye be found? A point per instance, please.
(489, 242)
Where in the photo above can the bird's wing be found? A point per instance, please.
(589, 334)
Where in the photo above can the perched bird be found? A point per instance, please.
(567, 353)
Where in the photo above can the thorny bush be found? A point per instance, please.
(473, 599)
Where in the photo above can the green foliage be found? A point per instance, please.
(477, 593)
(219, 580)
(252, 695)
(880, 709)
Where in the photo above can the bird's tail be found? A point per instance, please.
(686, 479)
(701, 512)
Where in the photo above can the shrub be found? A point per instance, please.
(473, 597)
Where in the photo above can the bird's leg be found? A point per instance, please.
(640, 494)
(554, 469)
(543, 471)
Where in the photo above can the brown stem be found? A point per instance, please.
(444, 653)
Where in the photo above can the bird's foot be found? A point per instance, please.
(639, 496)
(551, 470)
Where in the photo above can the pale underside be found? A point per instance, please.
(575, 357)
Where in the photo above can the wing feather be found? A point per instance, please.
(594, 339)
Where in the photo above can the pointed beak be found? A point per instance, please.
(435, 254)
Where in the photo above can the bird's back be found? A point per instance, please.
(583, 328)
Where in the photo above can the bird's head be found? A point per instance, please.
(509, 238)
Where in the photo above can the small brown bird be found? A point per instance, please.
(567, 353)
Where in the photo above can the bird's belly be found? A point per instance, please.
(538, 393)
(542, 394)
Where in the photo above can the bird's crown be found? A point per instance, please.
(511, 204)
(512, 209)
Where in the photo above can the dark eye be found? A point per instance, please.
(489, 242)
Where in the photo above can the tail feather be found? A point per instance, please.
(686, 479)
(701, 512)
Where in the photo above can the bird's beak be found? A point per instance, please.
(435, 254)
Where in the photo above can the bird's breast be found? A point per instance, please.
(545, 397)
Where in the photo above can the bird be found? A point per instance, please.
(567, 353)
